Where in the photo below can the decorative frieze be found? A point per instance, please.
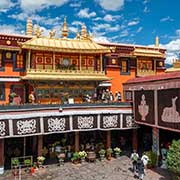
(84, 122)
(62, 124)
(2, 128)
(26, 126)
(110, 121)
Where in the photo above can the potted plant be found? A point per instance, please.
(109, 151)
(40, 160)
(61, 158)
(82, 155)
(75, 158)
(27, 163)
(15, 162)
(102, 154)
(117, 152)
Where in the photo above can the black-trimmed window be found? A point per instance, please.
(18, 62)
(1, 61)
(125, 67)
(2, 92)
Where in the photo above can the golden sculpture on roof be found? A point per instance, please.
(37, 31)
(52, 33)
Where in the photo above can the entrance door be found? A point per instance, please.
(19, 90)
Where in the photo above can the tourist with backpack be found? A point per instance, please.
(134, 158)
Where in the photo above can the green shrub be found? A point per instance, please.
(152, 158)
(15, 161)
(173, 158)
(75, 156)
(27, 162)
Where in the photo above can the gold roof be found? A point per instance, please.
(176, 67)
(64, 45)
(65, 77)
(148, 52)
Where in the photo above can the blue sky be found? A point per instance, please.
(121, 21)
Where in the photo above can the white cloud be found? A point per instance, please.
(75, 5)
(97, 19)
(178, 32)
(112, 5)
(84, 13)
(106, 27)
(166, 19)
(146, 10)
(102, 39)
(108, 17)
(5, 5)
(173, 50)
(31, 5)
(124, 33)
(133, 23)
(10, 29)
(145, 1)
(139, 29)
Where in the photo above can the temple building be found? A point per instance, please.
(43, 82)
(156, 107)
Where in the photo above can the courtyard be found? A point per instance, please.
(115, 169)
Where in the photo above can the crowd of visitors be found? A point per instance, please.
(139, 164)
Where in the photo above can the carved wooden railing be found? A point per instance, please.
(65, 72)
(143, 72)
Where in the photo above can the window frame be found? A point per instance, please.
(127, 67)
(2, 86)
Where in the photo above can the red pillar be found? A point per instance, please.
(40, 145)
(1, 156)
(108, 139)
(134, 139)
(76, 141)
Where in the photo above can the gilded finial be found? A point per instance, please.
(52, 33)
(84, 31)
(78, 36)
(29, 29)
(64, 29)
(37, 31)
(157, 41)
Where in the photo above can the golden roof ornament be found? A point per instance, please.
(37, 31)
(65, 30)
(157, 41)
(78, 36)
(84, 32)
(29, 29)
(52, 33)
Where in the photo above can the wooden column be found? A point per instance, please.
(2, 153)
(24, 146)
(108, 139)
(54, 64)
(134, 139)
(101, 62)
(76, 141)
(40, 145)
(80, 63)
(29, 59)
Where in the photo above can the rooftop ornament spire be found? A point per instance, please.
(84, 32)
(29, 27)
(65, 30)
(157, 41)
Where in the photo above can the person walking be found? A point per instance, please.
(134, 158)
(140, 169)
(145, 160)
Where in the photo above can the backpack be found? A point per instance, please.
(135, 157)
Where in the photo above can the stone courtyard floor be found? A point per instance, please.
(116, 169)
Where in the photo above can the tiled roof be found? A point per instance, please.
(65, 45)
(160, 77)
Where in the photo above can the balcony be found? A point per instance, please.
(145, 72)
(50, 74)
